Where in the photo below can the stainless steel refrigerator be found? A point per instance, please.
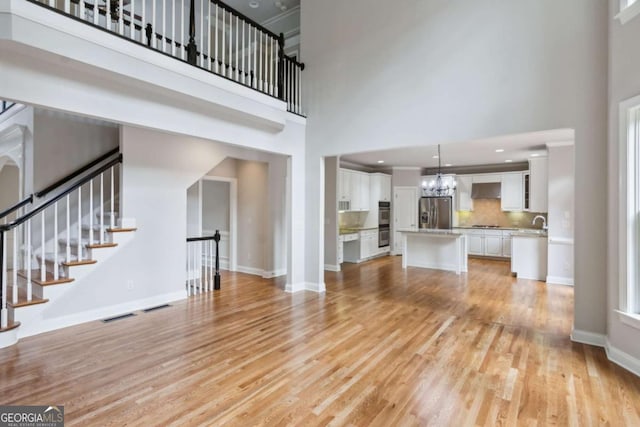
(435, 212)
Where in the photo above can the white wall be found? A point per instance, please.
(331, 211)
(624, 83)
(215, 205)
(9, 185)
(560, 166)
(252, 214)
(430, 72)
(64, 143)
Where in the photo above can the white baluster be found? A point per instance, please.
(163, 40)
(230, 67)
(121, 18)
(79, 257)
(194, 267)
(112, 204)
(212, 258)
(43, 271)
(91, 213)
(209, 33)
(244, 53)
(153, 25)
(207, 279)
(143, 21)
(56, 272)
(82, 11)
(28, 261)
(96, 12)
(237, 49)
(67, 6)
(4, 313)
(215, 42)
(202, 32)
(249, 55)
(299, 82)
(52, 3)
(15, 265)
(68, 254)
(173, 27)
(188, 272)
(132, 22)
(255, 57)
(260, 71)
(277, 79)
(107, 16)
(223, 47)
(101, 208)
(183, 35)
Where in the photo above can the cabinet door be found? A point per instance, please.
(356, 196)
(385, 188)
(493, 245)
(344, 190)
(476, 244)
(364, 191)
(506, 247)
(364, 246)
(511, 198)
(538, 185)
(463, 193)
(340, 252)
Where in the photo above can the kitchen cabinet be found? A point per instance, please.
(493, 245)
(512, 198)
(463, 192)
(340, 251)
(475, 239)
(491, 242)
(380, 185)
(506, 247)
(385, 188)
(353, 190)
(363, 247)
(405, 213)
(529, 259)
(487, 177)
(538, 185)
(368, 243)
(344, 190)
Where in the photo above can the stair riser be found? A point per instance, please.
(73, 249)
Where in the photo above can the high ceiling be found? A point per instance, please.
(270, 12)
(517, 148)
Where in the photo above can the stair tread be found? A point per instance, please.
(48, 281)
(10, 326)
(79, 262)
(102, 245)
(120, 230)
(22, 299)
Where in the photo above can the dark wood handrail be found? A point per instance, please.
(200, 239)
(77, 172)
(50, 202)
(17, 206)
(295, 62)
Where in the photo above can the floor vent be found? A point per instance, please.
(146, 310)
(123, 316)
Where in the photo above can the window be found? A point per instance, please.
(628, 10)
(629, 256)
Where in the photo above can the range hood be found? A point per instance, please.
(486, 190)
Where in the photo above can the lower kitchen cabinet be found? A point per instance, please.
(492, 242)
(476, 244)
(364, 248)
(493, 245)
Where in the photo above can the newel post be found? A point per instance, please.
(281, 66)
(192, 48)
(216, 278)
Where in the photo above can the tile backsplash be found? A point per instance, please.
(351, 219)
(489, 212)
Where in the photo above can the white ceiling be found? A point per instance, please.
(267, 11)
(517, 148)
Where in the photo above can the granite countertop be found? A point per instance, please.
(451, 232)
(355, 230)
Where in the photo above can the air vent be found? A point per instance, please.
(147, 310)
(113, 319)
(344, 205)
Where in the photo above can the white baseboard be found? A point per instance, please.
(250, 270)
(330, 267)
(275, 273)
(590, 338)
(623, 359)
(305, 286)
(558, 280)
(47, 325)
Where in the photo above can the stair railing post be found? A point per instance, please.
(149, 33)
(192, 48)
(216, 279)
(281, 66)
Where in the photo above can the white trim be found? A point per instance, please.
(305, 286)
(627, 13)
(586, 337)
(570, 143)
(622, 358)
(629, 319)
(330, 267)
(406, 168)
(274, 273)
(558, 280)
(99, 313)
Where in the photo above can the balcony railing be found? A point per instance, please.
(205, 33)
(5, 105)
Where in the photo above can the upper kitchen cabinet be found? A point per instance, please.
(380, 188)
(538, 185)
(463, 192)
(353, 190)
(512, 198)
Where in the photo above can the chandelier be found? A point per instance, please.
(441, 185)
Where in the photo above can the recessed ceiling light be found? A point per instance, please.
(508, 161)
(254, 4)
(435, 157)
(500, 150)
(380, 161)
(448, 165)
(535, 155)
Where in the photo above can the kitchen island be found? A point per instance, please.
(435, 249)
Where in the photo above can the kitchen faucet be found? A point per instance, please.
(544, 221)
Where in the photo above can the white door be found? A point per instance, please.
(405, 213)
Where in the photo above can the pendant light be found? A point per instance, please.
(440, 187)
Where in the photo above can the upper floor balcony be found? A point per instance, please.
(206, 34)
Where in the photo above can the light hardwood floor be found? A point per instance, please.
(383, 347)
